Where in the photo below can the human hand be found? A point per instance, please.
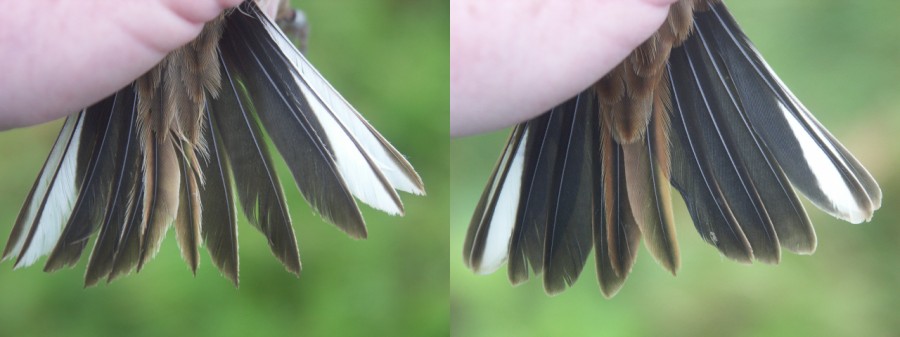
(57, 57)
(511, 60)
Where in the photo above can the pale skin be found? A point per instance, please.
(501, 69)
(511, 60)
(60, 56)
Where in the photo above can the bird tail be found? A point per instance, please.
(720, 126)
(174, 146)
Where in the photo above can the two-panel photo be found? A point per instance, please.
(449, 168)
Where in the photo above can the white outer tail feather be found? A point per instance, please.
(353, 141)
(828, 178)
(496, 249)
(60, 197)
(336, 106)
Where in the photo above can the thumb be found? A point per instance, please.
(60, 56)
(511, 60)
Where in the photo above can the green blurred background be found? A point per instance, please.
(389, 58)
(842, 59)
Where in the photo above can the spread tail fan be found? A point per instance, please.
(696, 107)
(187, 143)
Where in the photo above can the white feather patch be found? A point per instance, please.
(496, 249)
(57, 186)
(828, 178)
(353, 163)
(363, 173)
(326, 101)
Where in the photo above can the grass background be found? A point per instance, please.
(842, 59)
(389, 58)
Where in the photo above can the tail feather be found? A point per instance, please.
(128, 251)
(49, 202)
(526, 244)
(94, 192)
(101, 261)
(829, 176)
(647, 180)
(188, 220)
(327, 102)
(365, 164)
(162, 186)
(619, 219)
(297, 135)
(568, 240)
(257, 183)
(487, 242)
(219, 216)
(616, 232)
